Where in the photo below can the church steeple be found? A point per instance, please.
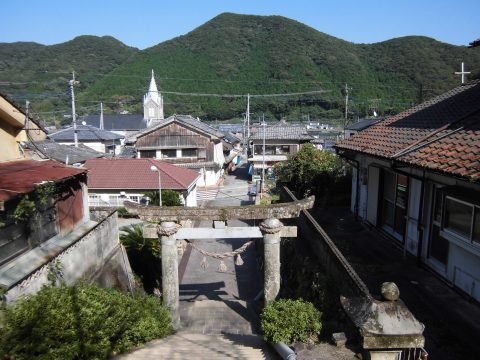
(152, 89)
(153, 102)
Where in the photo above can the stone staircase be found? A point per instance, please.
(211, 329)
(186, 345)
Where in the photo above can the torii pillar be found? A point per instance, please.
(271, 229)
(170, 287)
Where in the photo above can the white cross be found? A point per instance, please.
(463, 73)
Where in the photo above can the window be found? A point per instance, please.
(438, 246)
(170, 153)
(151, 112)
(394, 202)
(282, 149)
(189, 153)
(148, 154)
(462, 219)
(458, 217)
(272, 149)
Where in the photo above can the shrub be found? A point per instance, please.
(290, 321)
(80, 322)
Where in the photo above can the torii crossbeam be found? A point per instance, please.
(169, 230)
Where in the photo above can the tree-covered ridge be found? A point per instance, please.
(240, 54)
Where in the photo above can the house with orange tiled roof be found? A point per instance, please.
(112, 181)
(416, 177)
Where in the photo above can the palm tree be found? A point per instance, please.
(144, 256)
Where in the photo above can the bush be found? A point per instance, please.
(290, 321)
(80, 322)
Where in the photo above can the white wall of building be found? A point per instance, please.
(462, 267)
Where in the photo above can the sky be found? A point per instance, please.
(145, 23)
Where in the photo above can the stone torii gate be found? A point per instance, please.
(169, 230)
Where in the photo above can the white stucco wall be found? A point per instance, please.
(463, 264)
(212, 177)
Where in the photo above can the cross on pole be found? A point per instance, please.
(463, 73)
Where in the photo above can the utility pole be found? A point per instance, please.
(263, 160)
(346, 101)
(74, 116)
(248, 117)
(101, 116)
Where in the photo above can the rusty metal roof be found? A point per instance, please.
(21, 177)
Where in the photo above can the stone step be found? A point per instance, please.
(185, 345)
(218, 317)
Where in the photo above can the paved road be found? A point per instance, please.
(214, 302)
(216, 308)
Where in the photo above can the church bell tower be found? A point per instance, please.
(153, 103)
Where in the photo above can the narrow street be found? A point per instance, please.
(217, 315)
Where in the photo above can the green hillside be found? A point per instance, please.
(41, 73)
(240, 54)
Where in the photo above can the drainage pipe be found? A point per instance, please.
(284, 351)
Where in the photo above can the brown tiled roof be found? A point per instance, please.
(442, 134)
(136, 174)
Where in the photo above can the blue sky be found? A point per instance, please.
(144, 23)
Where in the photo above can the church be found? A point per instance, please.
(181, 140)
(128, 124)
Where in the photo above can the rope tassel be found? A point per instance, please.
(204, 263)
(222, 267)
(239, 260)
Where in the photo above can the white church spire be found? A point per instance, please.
(152, 102)
(152, 89)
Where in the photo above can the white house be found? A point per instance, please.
(416, 177)
(114, 180)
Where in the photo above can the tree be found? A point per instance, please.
(144, 256)
(169, 198)
(310, 171)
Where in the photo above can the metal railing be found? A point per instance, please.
(414, 354)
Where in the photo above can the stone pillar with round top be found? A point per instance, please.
(271, 238)
(167, 231)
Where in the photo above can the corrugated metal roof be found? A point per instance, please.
(115, 122)
(136, 174)
(60, 152)
(85, 133)
(21, 177)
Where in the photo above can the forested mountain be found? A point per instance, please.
(240, 54)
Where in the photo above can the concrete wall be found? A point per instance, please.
(347, 280)
(95, 255)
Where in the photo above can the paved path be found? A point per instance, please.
(186, 345)
(216, 308)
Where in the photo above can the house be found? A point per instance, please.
(281, 140)
(95, 138)
(184, 141)
(112, 181)
(360, 125)
(416, 177)
(121, 124)
(16, 127)
(46, 233)
(67, 154)
(128, 124)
